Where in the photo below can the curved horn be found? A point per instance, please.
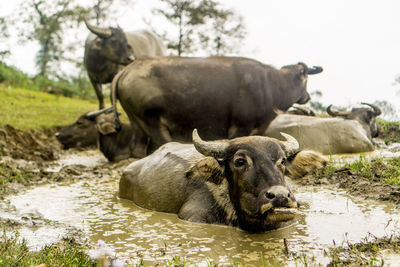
(214, 149)
(290, 146)
(336, 113)
(376, 109)
(315, 70)
(94, 114)
(307, 111)
(101, 32)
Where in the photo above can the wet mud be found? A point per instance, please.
(74, 194)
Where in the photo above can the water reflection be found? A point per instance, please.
(93, 206)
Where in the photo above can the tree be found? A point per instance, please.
(48, 22)
(193, 21)
(224, 34)
(4, 35)
(108, 9)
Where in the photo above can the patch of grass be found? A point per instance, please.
(384, 170)
(390, 131)
(10, 175)
(364, 253)
(14, 252)
(73, 86)
(27, 109)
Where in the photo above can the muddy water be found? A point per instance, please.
(92, 205)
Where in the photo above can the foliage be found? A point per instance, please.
(15, 252)
(224, 33)
(389, 131)
(104, 10)
(48, 22)
(76, 86)
(27, 109)
(4, 35)
(195, 21)
(315, 104)
(11, 175)
(379, 170)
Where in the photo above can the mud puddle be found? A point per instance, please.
(90, 206)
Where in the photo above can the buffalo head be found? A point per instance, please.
(366, 116)
(111, 43)
(81, 133)
(254, 168)
(298, 79)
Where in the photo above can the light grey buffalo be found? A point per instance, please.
(238, 182)
(325, 135)
(350, 132)
(107, 50)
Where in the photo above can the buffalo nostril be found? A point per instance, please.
(270, 195)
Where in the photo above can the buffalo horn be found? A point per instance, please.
(214, 149)
(377, 110)
(101, 32)
(315, 70)
(94, 114)
(336, 113)
(290, 146)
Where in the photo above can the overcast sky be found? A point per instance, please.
(357, 42)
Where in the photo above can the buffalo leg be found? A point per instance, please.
(99, 93)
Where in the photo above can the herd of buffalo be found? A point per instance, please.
(253, 131)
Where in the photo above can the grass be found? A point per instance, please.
(10, 175)
(70, 86)
(14, 252)
(390, 131)
(380, 169)
(364, 253)
(26, 109)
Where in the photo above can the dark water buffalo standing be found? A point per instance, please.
(107, 50)
(366, 117)
(238, 182)
(224, 97)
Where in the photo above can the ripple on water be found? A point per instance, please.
(326, 215)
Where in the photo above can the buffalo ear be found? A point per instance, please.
(208, 170)
(106, 128)
(304, 163)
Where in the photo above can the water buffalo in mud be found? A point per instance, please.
(97, 128)
(107, 50)
(365, 116)
(238, 182)
(223, 97)
(81, 133)
(325, 135)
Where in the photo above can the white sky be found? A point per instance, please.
(357, 42)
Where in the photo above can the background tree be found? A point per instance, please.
(105, 10)
(192, 20)
(48, 22)
(224, 33)
(3, 36)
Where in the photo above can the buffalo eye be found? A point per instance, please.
(240, 162)
(283, 161)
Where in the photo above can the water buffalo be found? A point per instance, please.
(238, 182)
(107, 50)
(97, 128)
(82, 133)
(224, 97)
(365, 116)
(325, 135)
